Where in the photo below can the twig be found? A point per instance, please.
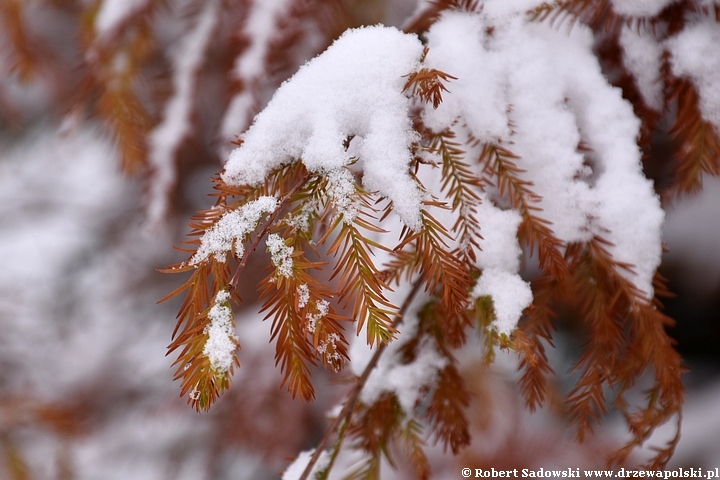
(349, 405)
(270, 221)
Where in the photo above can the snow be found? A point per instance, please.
(222, 342)
(232, 229)
(296, 468)
(303, 294)
(164, 141)
(477, 95)
(249, 67)
(113, 12)
(341, 188)
(539, 93)
(322, 307)
(694, 54)
(353, 88)
(642, 56)
(406, 381)
(330, 343)
(640, 8)
(500, 246)
(510, 296)
(280, 255)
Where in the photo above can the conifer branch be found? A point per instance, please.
(345, 415)
(529, 337)
(462, 186)
(24, 61)
(699, 150)
(534, 230)
(441, 271)
(598, 14)
(427, 84)
(360, 280)
(446, 410)
(628, 337)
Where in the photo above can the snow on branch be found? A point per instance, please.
(694, 54)
(165, 139)
(113, 13)
(540, 93)
(353, 89)
(500, 135)
(250, 66)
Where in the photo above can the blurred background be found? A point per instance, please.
(114, 115)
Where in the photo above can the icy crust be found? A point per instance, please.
(222, 342)
(539, 93)
(694, 53)
(353, 88)
(232, 229)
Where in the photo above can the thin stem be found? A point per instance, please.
(268, 224)
(349, 406)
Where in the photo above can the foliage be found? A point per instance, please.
(406, 268)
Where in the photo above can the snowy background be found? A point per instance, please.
(86, 391)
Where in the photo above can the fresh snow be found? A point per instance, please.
(694, 54)
(221, 343)
(164, 141)
(353, 88)
(642, 56)
(640, 8)
(539, 92)
(280, 255)
(510, 296)
(296, 468)
(232, 229)
(303, 295)
(322, 307)
(113, 12)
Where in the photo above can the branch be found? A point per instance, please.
(266, 228)
(349, 406)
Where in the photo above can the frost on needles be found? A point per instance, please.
(418, 175)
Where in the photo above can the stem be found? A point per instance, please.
(349, 406)
(268, 224)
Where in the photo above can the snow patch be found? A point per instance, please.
(694, 54)
(640, 8)
(353, 88)
(280, 255)
(113, 12)
(231, 230)
(296, 468)
(642, 56)
(510, 295)
(222, 342)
